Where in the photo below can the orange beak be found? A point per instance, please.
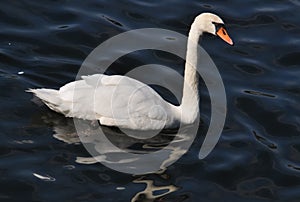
(223, 35)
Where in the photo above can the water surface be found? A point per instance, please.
(258, 155)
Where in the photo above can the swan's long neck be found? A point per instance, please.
(190, 98)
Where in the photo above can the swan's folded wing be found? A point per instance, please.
(114, 100)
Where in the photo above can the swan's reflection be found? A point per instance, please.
(138, 150)
(152, 192)
(65, 131)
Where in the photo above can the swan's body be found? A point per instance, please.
(123, 102)
(127, 103)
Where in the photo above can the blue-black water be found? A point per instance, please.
(43, 44)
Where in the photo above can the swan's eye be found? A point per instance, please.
(219, 26)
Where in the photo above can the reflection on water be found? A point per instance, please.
(121, 150)
(65, 131)
(152, 192)
(44, 177)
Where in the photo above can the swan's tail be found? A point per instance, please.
(49, 96)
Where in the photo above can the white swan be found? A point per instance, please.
(147, 110)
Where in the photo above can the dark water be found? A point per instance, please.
(258, 155)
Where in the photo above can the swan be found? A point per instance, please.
(147, 110)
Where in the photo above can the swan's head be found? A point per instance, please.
(213, 24)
